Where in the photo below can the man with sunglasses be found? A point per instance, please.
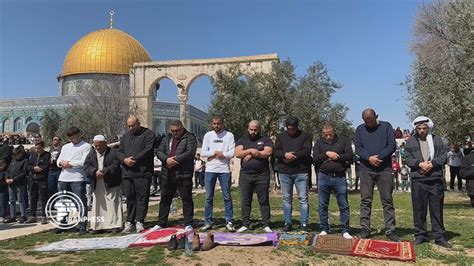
(177, 151)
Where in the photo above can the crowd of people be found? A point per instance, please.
(19, 139)
(144, 163)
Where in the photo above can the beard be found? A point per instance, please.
(253, 137)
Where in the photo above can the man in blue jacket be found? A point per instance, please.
(375, 143)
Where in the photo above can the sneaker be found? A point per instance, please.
(9, 220)
(392, 236)
(139, 227)
(31, 220)
(188, 228)
(323, 233)
(346, 235)
(129, 227)
(22, 220)
(173, 243)
(304, 227)
(182, 242)
(44, 220)
(206, 227)
(243, 229)
(287, 228)
(419, 241)
(443, 243)
(196, 245)
(364, 234)
(208, 242)
(82, 231)
(230, 227)
(267, 229)
(2, 219)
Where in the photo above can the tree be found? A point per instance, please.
(50, 125)
(271, 97)
(440, 85)
(108, 102)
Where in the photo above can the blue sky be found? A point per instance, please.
(364, 44)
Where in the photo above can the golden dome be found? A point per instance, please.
(107, 51)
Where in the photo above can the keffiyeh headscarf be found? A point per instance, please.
(425, 120)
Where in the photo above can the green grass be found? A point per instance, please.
(457, 216)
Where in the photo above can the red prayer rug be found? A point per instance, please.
(380, 249)
(153, 237)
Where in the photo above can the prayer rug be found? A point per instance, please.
(380, 249)
(154, 236)
(118, 242)
(292, 239)
(334, 244)
(236, 239)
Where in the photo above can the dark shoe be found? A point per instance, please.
(443, 243)
(173, 243)
(287, 228)
(9, 221)
(96, 232)
(196, 242)
(364, 234)
(22, 220)
(209, 242)
(82, 231)
(305, 228)
(182, 242)
(393, 237)
(31, 220)
(44, 220)
(419, 241)
(115, 230)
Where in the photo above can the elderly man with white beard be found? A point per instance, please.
(426, 155)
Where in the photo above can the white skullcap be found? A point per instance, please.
(99, 138)
(423, 120)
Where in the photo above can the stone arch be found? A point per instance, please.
(144, 76)
(32, 127)
(18, 124)
(7, 125)
(28, 119)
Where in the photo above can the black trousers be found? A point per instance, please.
(38, 191)
(156, 180)
(424, 195)
(260, 183)
(454, 172)
(169, 186)
(137, 192)
(384, 182)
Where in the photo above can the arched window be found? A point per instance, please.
(7, 125)
(28, 119)
(18, 124)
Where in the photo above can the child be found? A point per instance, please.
(16, 180)
(404, 174)
(3, 190)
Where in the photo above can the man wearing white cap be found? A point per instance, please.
(426, 155)
(103, 166)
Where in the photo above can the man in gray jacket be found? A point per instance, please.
(426, 155)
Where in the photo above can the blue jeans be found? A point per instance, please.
(78, 188)
(53, 177)
(210, 184)
(301, 183)
(17, 193)
(326, 185)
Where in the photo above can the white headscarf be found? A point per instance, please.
(425, 120)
